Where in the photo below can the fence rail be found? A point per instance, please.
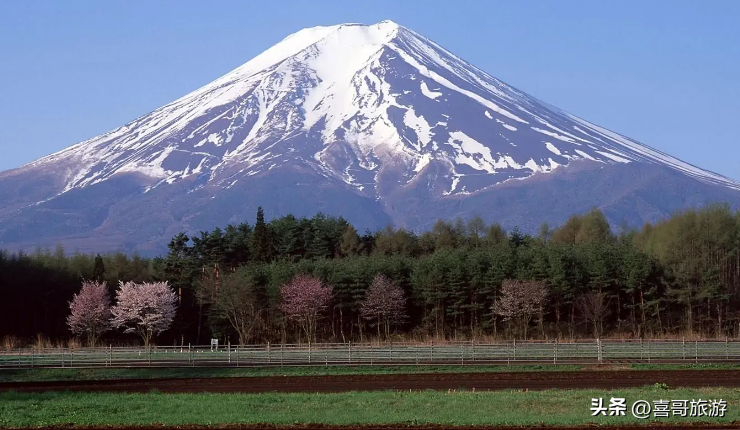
(450, 353)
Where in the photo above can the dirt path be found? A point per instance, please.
(447, 381)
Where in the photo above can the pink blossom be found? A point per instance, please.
(90, 311)
(384, 302)
(147, 309)
(305, 298)
(519, 301)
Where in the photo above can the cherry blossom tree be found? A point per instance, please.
(384, 302)
(304, 300)
(519, 301)
(146, 309)
(90, 311)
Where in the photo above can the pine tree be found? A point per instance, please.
(262, 239)
(98, 268)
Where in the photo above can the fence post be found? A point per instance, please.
(110, 354)
(309, 352)
(649, 357)
(472, 344)
(228, 345)
(416, 351)
(236, 351)
(641, 358)
(149, 351)
(514, 349)
(598, 349)
(696, 352)
(281, 355)
(683, 347)
(431, 353)
(350, 352)
(727, 349)
(555, 355)
(269, 353)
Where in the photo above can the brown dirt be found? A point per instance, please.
(602, 379)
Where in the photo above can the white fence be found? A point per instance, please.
(449, 353)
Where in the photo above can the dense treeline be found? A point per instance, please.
(678, 277)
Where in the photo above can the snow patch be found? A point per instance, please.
(555, 135)
(505, 125)
(613, 157)
(468, 148)
(429, 93)
(552, 148)
(585, 155)
(422, 163)
(420, 126)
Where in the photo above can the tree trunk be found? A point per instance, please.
(642, 308)
(341, 325)
(200, 323)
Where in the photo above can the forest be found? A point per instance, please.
(462, 280)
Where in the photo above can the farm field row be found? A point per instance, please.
(382, 382)
(91, 374)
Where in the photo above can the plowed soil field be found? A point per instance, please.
(450, 381)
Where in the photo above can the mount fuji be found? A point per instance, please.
(372, 122)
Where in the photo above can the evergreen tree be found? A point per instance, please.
(98, 268)
(263, 245)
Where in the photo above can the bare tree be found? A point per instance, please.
(384, 302)
(238, 299)
(90, 311)
(519, 301)
(147, 308)
(305, 299)
(594, 307)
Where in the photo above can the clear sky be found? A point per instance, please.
(664, 72)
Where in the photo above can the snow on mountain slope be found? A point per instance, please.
(353, 101)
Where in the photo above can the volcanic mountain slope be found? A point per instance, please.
(373, 122)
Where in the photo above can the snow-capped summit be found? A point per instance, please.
(377, 111)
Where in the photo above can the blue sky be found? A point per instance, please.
(662, 72)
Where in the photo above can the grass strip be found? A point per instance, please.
(49, 374)
(551, 407)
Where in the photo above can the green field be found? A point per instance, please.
(48, 374)
(40, 375)
(554, 407)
